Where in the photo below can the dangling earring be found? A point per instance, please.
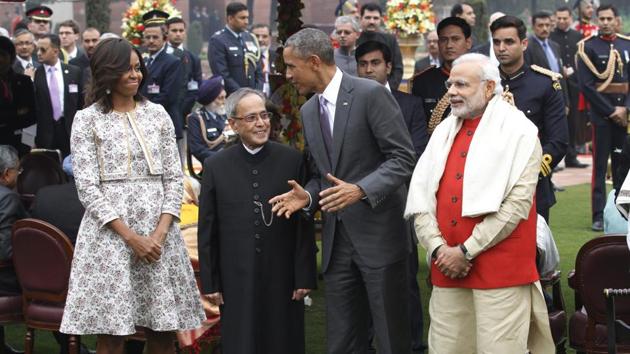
(108, 91)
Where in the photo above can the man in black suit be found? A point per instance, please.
(69, 35)
(165, 73)
(371, 22)
(58, 94)
(374, 61)
(233, 52)
(541, 50)
(90, 38)
(26, 59)
(67, 219)
(362, 157)
(434, 54)
(567, 38)
(267, 54)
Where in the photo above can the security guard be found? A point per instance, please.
(453, 41)
(165, 74)
(603, 71)
(536, 91)
(234, 53)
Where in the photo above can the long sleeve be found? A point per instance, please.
(11, 209)
(85, 165)
(172, 178)
(208, 235)
(555, 133)
(305, 263)
(497, 226)
(217, 57)
(586, 78)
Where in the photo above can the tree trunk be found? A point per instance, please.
(97, 14)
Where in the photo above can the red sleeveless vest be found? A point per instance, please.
(511, 262)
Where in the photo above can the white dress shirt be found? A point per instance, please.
(59, 76)
(331, 92)
(24, 62)
(73, 54)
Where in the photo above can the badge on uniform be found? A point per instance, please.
(73, 88)
(233, 48)
(251, 46)
(211, 130)
(153, 89)
(193, 85)
(556, 86)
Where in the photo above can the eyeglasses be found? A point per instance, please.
(459, 84)
(19, 170)
(251, 118)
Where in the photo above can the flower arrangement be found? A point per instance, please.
(132, 26)
(409, 17)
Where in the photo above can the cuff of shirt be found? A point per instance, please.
(473, 247)
(310, 201)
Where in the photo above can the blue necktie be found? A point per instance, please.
(551, 58)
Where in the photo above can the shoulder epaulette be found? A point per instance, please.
(425, 70)
(413, 78)
(585, 39)
(623, 36)
(539, 69)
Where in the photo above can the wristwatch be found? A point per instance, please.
(467, 255)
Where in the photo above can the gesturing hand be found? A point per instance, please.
(291, 201)
(452, 262)
(339, 196)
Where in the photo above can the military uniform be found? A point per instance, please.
(203, 128)
(191, 68)
(236, 59)
(538, 94)
(603, 71)
(429, 85)
(162, 85)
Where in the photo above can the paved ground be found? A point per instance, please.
(573, 176)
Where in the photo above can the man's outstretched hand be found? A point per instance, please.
(291, 201)
(340, 195)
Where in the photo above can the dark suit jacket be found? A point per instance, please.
(17, 66)
(413, 113)
(73, 101)
(535, 55)
(67, 219)
(422, 64)
(81, 60)
(11, 210)
(372, 149)
(482, 49)
(166, 72)
(17, 111)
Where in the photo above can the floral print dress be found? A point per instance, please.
(126, 166)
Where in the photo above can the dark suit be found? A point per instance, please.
(81, 60)
(484, 49)
(535, 54)
(53, 134)
(422, 64)
(413, 113)
(18, 68)
(395, 77)
(226, 56)
(11, 210)
(17, 111)
(162, 86)
(365, 245)
(67, 219)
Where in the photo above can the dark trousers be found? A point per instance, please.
(573, 119)
(61, 138)
(354, 290)
(608, 140)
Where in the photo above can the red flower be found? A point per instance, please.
(140, 27)
(136, 41)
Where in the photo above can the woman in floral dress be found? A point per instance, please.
(130, 265)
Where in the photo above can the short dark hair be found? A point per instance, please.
(455, 21)
(260, 25)
(108, 63)
(508, 21)
(371, 6)
(55, 42)
(72, 24)
(372, 46)
(174, 20)
(540, 15)
(7, 46)
(92, 29)
(607, 7)
(564, 9)
(235, 7)
(458, 9)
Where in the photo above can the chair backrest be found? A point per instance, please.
(603, 262)
(42, 256)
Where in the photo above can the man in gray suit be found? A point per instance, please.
(362, 157)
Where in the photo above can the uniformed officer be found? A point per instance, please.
(39, 24)
(176, 29)
(233, 52)
(453, 41)
(603, 71)
(536, 91)
(206, 125)
(165, 74)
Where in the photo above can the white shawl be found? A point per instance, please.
(623, 199)
(499, 151)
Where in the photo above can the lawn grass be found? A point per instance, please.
(570, 224)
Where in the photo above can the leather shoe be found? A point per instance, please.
(598, 226)
(10, 350)
(575, 164)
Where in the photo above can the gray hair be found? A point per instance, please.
(231, 103)
(311, 41)
(8, 158)
(489, 72)
(348, 20)
(108, 35)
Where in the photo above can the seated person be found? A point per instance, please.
(207, 124)
(38, 170)
(49, 198)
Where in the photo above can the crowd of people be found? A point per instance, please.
(460, 162)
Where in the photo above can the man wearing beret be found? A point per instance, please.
(206, 125)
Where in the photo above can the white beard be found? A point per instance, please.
(216, 109)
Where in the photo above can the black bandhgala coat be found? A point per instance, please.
(255, 266)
